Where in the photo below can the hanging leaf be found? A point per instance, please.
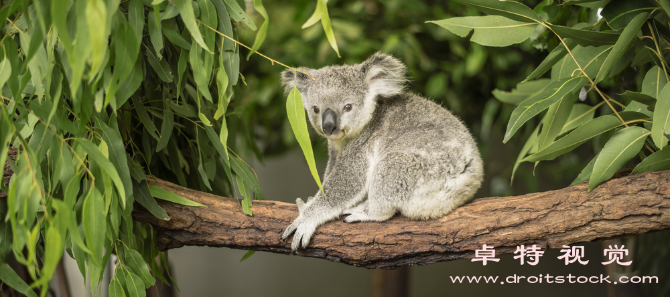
(263, 31)
(298, 121)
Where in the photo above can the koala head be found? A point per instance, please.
(340, 100)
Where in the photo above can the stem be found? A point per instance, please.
(257, 52)
(587, 77)
(660, 57)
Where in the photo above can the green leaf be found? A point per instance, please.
(246, 202)
(657, 161)
(661, 121)
(133, 283)
(136, 263)
(105, 165)
(9, 277)
(556, 55)
(166, 128)
(144, 198)
(171, 31)
(115, 289)
(298, 121)
(93, 217)
(96, 17)
(510, 9)
(131, 84)
(589, 58)
(552, 123)
(491, 30)
(639, 97)
(580, 114)
(144, 117)
(247, 255)
(166, 195)
(53, 253)
(181, 68)
(263, 31)
(221, 148)
(237, 14)
(585, 37)
(136, 170)
(188, 17)
(136, 17)
(585, 174)
(117, 155)
(59, 10)
(654, 81)
(522, 91)
(541, 101)
(174, 156)
(580, 135)
(126, 49)
(248, 176)
(161, 67)
(623, 146)
(532, 140)
(621, 45)
(156, 32)
(325, 22)
(201, 65)
(619, 14)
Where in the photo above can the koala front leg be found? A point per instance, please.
(344, 188)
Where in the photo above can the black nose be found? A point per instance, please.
(329, 122)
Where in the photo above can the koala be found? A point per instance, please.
(389, 150)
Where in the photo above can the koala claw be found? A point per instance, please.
(303, 233)
(355, 217)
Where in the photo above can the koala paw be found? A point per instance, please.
(304, 230)
(356, 217)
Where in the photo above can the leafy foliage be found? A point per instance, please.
(617, 59)
(97, 94)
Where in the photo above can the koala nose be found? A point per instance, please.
(329, 122)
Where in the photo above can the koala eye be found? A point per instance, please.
(347, 107)
(316, 109)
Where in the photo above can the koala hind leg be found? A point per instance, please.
(389, 186)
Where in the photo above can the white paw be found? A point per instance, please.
(357, 217)
(304, 230)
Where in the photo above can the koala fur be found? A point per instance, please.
(390, 151)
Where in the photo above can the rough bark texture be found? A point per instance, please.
(623, 206)
(628, 205)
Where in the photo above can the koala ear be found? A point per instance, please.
(290, 79)
(384, 75)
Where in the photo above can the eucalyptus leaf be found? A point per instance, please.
(541, 101)
(489, 30)
(166, 195)
(296, 116)
(623, 146)
(657, 161)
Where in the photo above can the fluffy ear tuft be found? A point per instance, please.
(290, 78)
(384, 74)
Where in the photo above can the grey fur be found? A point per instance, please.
(393, 152)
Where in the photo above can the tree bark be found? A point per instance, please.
(623, 206)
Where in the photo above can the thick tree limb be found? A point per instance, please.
(628, 205)
(623, 206)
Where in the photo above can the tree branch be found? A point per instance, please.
(623, 206)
